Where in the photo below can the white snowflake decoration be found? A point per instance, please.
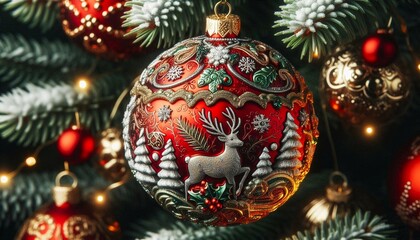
(174, 73)
(247, 65)
(218, 55)
(164, 113)
(261, 123)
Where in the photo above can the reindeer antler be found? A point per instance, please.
(215, 128)
(231, 115)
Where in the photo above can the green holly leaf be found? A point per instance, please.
(265, 76)
(234, 58)
(214, 78)
(202, 51)
(253, 47)
(220, 192)
(196, 197)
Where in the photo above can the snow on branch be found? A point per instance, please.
(318, 25)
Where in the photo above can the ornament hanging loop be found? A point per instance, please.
(219, 4)
(337, 178)
(65, 193)
(63, 174)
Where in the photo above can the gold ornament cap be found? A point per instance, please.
(338, 191)
(223, 25)
(66, 193)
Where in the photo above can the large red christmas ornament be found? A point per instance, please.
(97, 26)
(220, 130)
(67, 218)
(405, 186)
(361, 94)
(76, 145)
(379, 49)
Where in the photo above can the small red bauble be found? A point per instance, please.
(405, 186)
(76, 145)
(97, 26)
(379, 50)
(220, 130)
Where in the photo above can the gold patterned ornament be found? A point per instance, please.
(111, 162)
(338, 200)
(361, 94)
(67, 218)
(235, 123)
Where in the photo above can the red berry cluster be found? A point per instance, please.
(203, 187)
(212, 204)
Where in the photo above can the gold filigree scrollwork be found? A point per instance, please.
(260, 57)
(42, 227)
(145, 95)
(182, 56)
(79, 227)
(260, 198)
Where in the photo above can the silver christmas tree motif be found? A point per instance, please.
(169, 176)
(174, 73)
(264, 165)
(288, 159)
(247, 65)
(164, 113)
(142, 168)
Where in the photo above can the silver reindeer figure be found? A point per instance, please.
(225, 165)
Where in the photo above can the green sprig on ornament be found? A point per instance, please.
(214, 78)
(265, 76)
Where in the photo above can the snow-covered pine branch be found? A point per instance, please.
(357, 226)
(318, 25)
(24, 60)
(167, 21)
(34, 114)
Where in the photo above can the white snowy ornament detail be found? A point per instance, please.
(168, 175)
(164, 113)
(406, 211)
(218, 55)
(261, 123)
(288, 160)
(175, 72)
(246, 65)
(264, 165)
(142, 168)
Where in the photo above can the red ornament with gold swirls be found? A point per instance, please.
(68, 218)
(220, 130)
(97, 26)
(405, 185)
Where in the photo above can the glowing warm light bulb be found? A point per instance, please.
(82, 84)
(418, 67)
(4, 179)
(100, 198)
(315, 54)
(30, 161)
(369, 130)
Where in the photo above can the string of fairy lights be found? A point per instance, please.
(82, 85)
